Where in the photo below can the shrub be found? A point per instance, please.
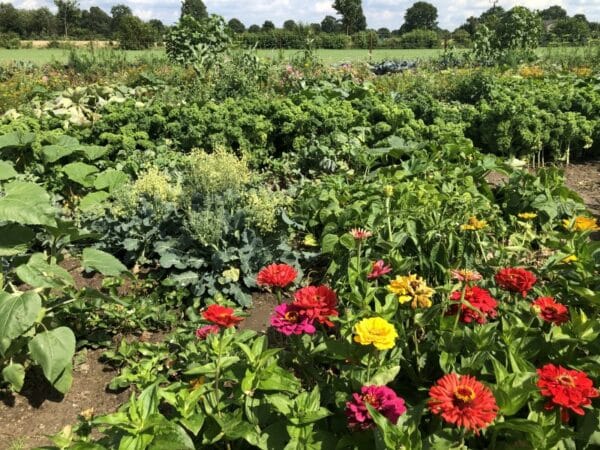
(419, 39)
(10, 40)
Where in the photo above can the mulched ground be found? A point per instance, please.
(27, 418)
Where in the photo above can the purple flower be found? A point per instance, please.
(382, 398)
(289, 319)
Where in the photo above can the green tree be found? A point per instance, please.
(572, 30)
(134, 34)
(491, 17)
(236, 26)
(290, 25)
(420, 16)
(254, 29)
(40, 22)
(96, 21)
(330, 25)
(11, 19)
(384, 33)
(518, 29)
(118, 12)
(353, 18)
(553, 13)
(194, 8)
(68, 12)
(268, 26)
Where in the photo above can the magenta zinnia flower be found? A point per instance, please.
(203, 332)
(379, 269)
(382, 398)
(290, 319)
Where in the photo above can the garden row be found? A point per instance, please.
(419, 305)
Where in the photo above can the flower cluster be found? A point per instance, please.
(376, 331)
(463, 401)
(311, 304)
(381, 398)
(516, 279)
(412, 288)
(569, 390)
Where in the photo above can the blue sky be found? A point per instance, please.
(379, 13)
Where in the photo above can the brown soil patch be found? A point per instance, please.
(262, 308)
(27, 418)
(585, 180)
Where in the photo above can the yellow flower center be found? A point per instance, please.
(464, 393)
(566, 380)
(291, 316)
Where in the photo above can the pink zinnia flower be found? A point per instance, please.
(203, 332)
(379, 269)
(465, 275)
(382, 398)
(360, 234)
(289, 319)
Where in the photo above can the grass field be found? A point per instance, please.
(44, 56)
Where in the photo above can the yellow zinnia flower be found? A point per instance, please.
(527, 215)
(412, 287)
(569, 259)
(581, 223)
(376, 331)
(473, 224)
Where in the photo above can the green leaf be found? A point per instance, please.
(18, 313)
(15, 375)
(26, 203)
(53, 351)
(329, 243)
(384, 376)
(110, 179)
(103, 262)
(93, 200)
(93, 152)
(171, 436)
(80, 173)
(348, 241)
(64, 382)
(185, 278)
(7, 171)
(38, 273)
(53, 153)
(16, 139)
(14, 239)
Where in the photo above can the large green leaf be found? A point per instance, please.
(16, 139)
(7, 171)
(15, 375)
(53, 351)
(81, 173)
(26, 203)
(14, 239)
(93, 152)
(38, 273)
(18, 313)
(103, 262)
(110, 179)
(60, 147)
(93, 200)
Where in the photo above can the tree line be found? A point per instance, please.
(420, 28)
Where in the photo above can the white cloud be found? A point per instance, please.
(379, 13)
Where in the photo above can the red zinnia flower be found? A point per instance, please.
(382, 398)
(482, 305)
(516, 279)
(567, 389)
(221, 315)
(203, 332)
(551, 311)
(463, 401)
(276, 275)
(379, 269)
(317, 302)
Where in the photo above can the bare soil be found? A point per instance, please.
(39, 410)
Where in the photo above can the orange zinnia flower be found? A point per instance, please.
(463, 401)
(221, 315)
